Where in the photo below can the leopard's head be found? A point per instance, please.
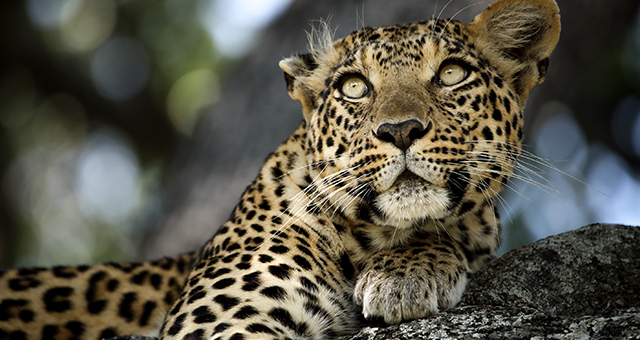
(421, 121)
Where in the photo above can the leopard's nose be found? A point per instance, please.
(403, 134)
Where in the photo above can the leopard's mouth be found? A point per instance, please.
(409, 177)
(412, 198)
(410, 182)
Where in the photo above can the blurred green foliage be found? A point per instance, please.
(101, 85)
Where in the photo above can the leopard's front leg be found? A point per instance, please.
(414, 281)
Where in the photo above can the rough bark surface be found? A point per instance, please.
(582, 284)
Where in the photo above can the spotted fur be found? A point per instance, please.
(380, 203)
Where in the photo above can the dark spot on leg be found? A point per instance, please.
(226, 302)
(274, 292)
(108, 333)
(198, 334)
(202, 314)
(221, 328)
(177, 325)
(282, 271)
(75, 327)
(259, 328)
(347, 266)
(224, 283)
(245, 312)
(125, 309)
(49, 332)
(56, 299)
(148, 308)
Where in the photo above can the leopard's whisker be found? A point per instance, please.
(338, 203)
(496, 195)
(458, 12)
(443, 8)
(546, 188)
(312, 165)
(296, 215)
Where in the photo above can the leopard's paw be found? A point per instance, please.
(407, 293)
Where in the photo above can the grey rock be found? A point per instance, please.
(588, 271)
(582, 284)
(498, 322)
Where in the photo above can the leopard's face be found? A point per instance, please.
(411, 127)
(421, 123)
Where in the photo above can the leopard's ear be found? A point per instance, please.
(297, 69)
(518, 36)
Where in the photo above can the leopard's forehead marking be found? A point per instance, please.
(403, 45)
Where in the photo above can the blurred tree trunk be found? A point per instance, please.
(255, 114)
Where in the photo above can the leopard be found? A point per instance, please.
(379, 206)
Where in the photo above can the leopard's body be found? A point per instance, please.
(380, 203)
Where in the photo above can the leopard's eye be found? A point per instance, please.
(452, 73)
(354, 87)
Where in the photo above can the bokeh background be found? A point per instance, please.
(129, 128)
